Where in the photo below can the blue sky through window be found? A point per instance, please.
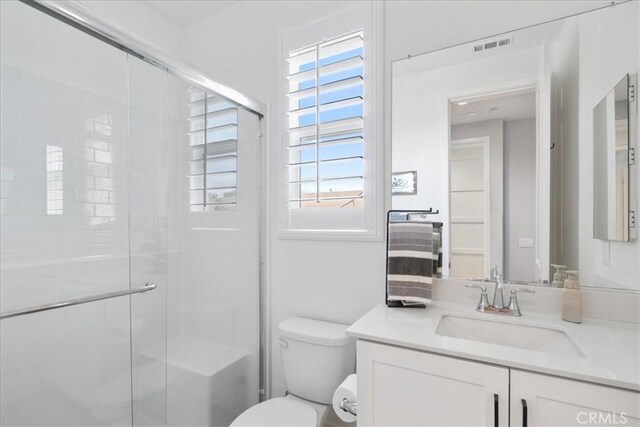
(342, 168)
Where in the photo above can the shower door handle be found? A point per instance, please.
(76, 301)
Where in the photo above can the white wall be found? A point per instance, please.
(138, 19)
(414, 27)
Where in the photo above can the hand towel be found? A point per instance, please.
(412, 260)
(437, 248)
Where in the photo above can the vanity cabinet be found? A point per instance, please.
(400, 387)
(403, 387)
(552, 401)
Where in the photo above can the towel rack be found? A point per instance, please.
(76, 301)
(429, 211)
(408, 213)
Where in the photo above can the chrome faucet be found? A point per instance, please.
(512, 309)
(498, 296)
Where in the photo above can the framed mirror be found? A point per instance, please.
(613, 160)
(502, 135)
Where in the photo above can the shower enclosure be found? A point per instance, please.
(130, 231)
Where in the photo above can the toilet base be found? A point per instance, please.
(321, 410)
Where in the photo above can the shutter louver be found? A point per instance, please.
(212, 168)
(325, 124)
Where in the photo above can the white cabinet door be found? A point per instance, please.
(552, 401)
(401, 387)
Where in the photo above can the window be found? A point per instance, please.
(330, 168)
(213, 153)
(326, 124)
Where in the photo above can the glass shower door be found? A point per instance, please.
(214, 220)
(101, 191)
(65, 160)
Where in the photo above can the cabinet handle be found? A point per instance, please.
(496, 416)
(524, 412)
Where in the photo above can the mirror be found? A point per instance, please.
(612, 144)
(503, 135)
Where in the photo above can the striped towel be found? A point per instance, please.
(437, 247)
(414, 257)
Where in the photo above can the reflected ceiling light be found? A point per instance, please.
(461, 103)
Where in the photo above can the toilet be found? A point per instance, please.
(316, 357)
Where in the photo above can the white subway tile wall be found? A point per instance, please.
(64, 195)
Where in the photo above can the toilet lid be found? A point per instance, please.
(278, 412)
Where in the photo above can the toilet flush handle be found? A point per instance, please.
(283, 343)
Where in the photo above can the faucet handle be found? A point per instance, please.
(483, 304)
(473, 285)
(513, 300)
(515, 291)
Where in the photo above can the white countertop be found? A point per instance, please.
(612, 348)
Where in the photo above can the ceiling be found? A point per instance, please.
(511, 106)
(185, 12)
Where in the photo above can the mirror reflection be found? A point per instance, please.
(611, 132)
(503, 136)
(492, 209)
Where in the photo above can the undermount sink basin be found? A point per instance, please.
(495, 331)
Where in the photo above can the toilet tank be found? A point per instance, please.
(316, 357)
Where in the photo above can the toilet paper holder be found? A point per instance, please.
(348, 406)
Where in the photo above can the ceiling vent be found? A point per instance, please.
(493, 43)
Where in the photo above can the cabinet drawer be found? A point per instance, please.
(403, 387)
(552, 401)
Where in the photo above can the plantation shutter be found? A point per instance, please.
(325, 124)
(212, 180)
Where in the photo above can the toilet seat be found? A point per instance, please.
(279, 411)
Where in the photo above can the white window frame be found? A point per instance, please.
(364, 223)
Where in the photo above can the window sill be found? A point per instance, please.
(337, 235)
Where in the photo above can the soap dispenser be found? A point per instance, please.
(559, 276)
(571, 298)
